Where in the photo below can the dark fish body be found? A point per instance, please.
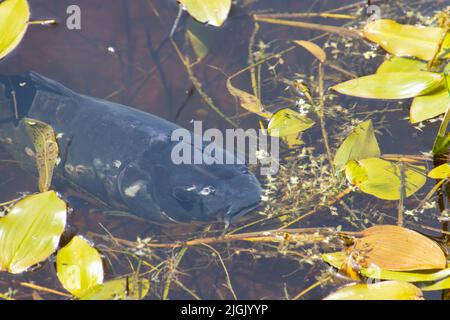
(121, 155)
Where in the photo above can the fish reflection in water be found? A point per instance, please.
(122, 155)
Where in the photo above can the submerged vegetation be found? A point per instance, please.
(342, 175)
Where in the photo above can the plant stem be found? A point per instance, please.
(321, 114)
(43, 22)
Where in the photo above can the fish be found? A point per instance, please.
(122, 155)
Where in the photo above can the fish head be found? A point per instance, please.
(207, 192)
(196, 192)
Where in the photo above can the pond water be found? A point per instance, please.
(123, 54)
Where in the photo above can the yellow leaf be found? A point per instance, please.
(382, 179)
(46, 147)
(79, 267)
(248, 101)
(293, 140)
(429, 106)
(400, 64)
(314, 49)
(440, 172)
(360, 144)
(30, 232)
(128, 288)
(287, 122)
(200, 38)
(337, 259)
(14, 16)
(213, 12)
(391, 85)
(386, 290)
(406, 40)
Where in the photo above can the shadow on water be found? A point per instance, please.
(123, 54)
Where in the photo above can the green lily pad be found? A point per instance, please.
(14, 16)
(360, 144)
(128, 288)
(440, 172)
(213, 12)
(337, 259)
(393, 85)
(429, 106)
(406, 40)
(79, 266)
(287, 122)
(381, 178)
(386, 290)
(440, 285)
(200, 37)
(30, 232)
(400, 64)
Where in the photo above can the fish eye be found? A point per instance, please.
(206, 191)
(244, 170)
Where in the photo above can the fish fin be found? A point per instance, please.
(43, 83)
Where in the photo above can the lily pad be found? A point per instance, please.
(381, 178)
(440, 172)
(406, 40)
(248, 101)
(213, 12)
(395, 248)
(30, 232)
(360, 144)
(429, 106)
(47, 151)
(337, 260)
(287, 122)
(386, 290)
(400, 64)
(392, 85)
(79, 266)
(14, 16)
(440, 285)
(128, 288)
(200, 38)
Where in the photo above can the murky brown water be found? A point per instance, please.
(122, 54)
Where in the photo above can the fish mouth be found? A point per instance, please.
(231, 215)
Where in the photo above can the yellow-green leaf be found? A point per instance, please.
(400, 64)
(213, 12)
(381, 178)
(406, 40)
(440, 172)
(128, 288)
(199, 37)
(30, 232)
(79, 266)
(46, 147)
(248, 101)
(337, 259)
(14, 16)
(393, 85)
(287, 122)
(429, 106)
(386, 290)
(360, 144)
(440, 285)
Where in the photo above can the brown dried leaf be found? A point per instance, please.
(397, 249)
(314, 49)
